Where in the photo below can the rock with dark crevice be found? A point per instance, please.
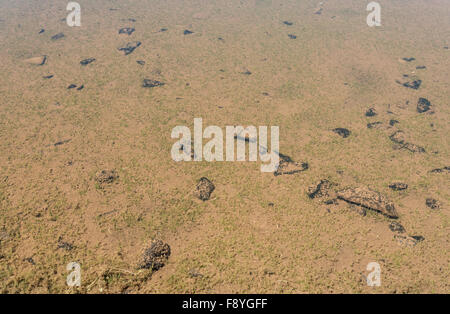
(287, 166)
(369, 199)
(204, 189)
(156, 256)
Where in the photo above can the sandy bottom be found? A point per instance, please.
(236, 65)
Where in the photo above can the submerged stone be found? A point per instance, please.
(57, 36)
(423, 105)
(156, 256)
(342, 132)
(148, 83)
(370, 199)
(126, 30)
(129, 47)
(204, 189)
(87, 61)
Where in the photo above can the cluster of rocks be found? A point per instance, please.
(361, 199)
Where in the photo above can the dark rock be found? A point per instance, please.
(374, 125)
(87, 61)
(433, 203)
(126, 30)
(81, 87)
(408, 59)
(130, 47)
(395, 226)
(440, 170)
(393, 122)
(291, 36)
(418, 238)
(287, 23)
(156, 256)
(331, 201)
(64, 245)
(421, 67)
(320, 189)
(148, 83)
(163, 30)
(371, 112)
(187, 32)
(414, 84)
(398, 186)
(247, 72)
(57, 36)
(106, 176)
(342, 132)
(41, 31)
(288, 166)
(140, 62)
(370, 199)
(47, 77)
(423, 105)
(62, 142)
(204, 189)
(71, 86)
